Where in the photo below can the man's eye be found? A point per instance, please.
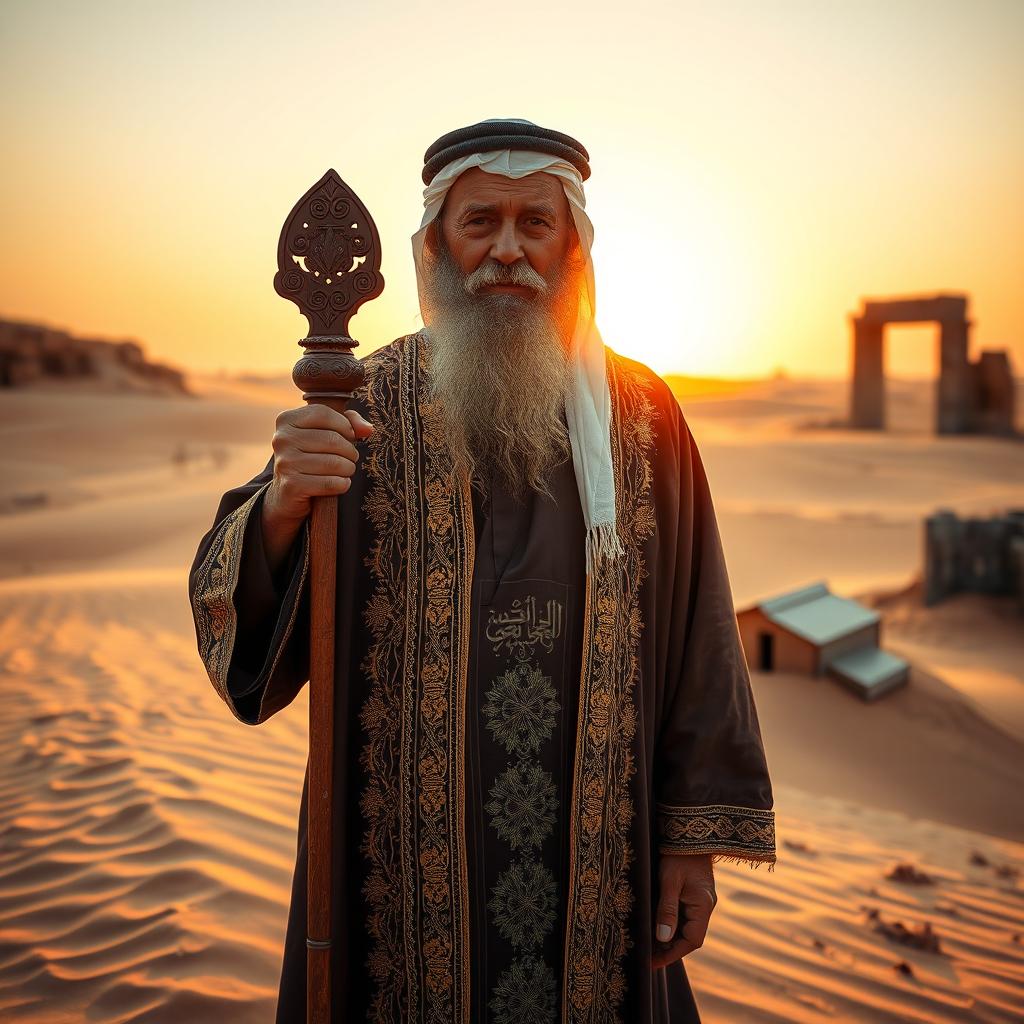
(477, 220)
(539, 222)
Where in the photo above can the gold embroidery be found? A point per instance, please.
(745, 833)
(600, 897)
(213, 607)
(421, 563)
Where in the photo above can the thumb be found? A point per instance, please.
(363, 427)
(667, 915)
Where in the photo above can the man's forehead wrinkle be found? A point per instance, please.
(474, 207)
(476, 184)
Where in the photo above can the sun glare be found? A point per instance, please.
(680, 302)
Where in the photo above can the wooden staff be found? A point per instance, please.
(328, 264)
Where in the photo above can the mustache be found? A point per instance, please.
(494, 273)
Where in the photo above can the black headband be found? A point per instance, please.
(501, 133)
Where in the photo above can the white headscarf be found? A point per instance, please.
(588, 405)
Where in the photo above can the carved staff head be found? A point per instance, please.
(328, 264)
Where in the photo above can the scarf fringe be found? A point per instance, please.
(602, 543)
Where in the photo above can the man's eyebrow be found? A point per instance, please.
(475, 209)
(544, 209)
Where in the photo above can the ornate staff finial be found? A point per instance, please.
(328, 264)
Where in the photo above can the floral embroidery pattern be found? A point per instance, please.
(521, 708)
(523, 902)
(525, 994)
(520, 712)
(523, 804)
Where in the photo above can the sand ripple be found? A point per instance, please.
(146, 838)
(801, 942)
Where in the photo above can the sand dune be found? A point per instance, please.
(147, 838)
(148, 841)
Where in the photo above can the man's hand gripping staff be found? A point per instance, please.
(315, 454)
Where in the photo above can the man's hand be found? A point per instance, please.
(314, 455)
(686, 879)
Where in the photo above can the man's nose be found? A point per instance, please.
(505, 247)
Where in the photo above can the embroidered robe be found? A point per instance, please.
(515, 744)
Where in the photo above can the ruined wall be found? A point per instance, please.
(993, 394)
(974, 554)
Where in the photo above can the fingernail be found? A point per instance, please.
(664, 932)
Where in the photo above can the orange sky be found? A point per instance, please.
(758, 167)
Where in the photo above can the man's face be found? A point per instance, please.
(490, 217)
(500, 297)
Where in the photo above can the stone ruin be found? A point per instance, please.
(975, 554)
(34, 352)
(972, 397)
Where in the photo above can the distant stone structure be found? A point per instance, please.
(974, 554)
(973, 397)
(34, 352)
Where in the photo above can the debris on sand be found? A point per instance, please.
(907, 874)
(925, 938)
(798, 847)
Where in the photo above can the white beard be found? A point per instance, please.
(500, 367)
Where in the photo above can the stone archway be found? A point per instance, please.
(970, 397)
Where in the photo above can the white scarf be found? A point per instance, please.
(588, 405)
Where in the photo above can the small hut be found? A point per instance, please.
(813, 631)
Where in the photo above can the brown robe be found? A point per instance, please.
(515, 743)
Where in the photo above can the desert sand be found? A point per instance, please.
(147, 838)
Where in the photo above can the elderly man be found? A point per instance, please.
(545, 731)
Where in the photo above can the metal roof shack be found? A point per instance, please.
(814, 631)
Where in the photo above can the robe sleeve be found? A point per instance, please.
(712, 790)
(252, 628)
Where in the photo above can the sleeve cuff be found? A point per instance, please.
(218, 602)
(726, 831)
